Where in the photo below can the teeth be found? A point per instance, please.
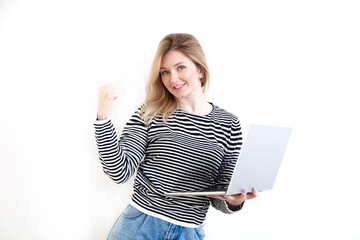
(179, 86)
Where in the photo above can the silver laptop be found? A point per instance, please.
(258, 163)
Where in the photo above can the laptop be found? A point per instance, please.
(258, 163)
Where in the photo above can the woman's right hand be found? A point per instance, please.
(107, 95)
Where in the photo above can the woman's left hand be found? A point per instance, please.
(236, 200)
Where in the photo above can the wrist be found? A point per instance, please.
(100, 116)
(234, 207)
(234, 201)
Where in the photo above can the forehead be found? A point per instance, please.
(173, 57)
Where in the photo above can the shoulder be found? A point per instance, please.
(222, 115)
(136, 116)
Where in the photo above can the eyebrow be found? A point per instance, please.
(174, 65)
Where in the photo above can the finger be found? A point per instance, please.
(236, 197)
(108, 88)
(241, 195)
(243, 192)
(109, 94)
(253, 194)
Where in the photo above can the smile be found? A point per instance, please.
(179, 86)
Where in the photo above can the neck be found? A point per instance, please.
(198, 107)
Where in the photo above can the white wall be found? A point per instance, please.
(292, 63)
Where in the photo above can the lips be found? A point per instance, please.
(179, 86)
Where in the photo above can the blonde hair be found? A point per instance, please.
(159, 101)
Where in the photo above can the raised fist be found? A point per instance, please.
(107, 95)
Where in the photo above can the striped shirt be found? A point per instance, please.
(186, 153)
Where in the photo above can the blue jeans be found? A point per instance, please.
(136, 225)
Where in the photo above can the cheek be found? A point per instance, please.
(189, 76)
(165, 83)
(193, 77)
(163, 80)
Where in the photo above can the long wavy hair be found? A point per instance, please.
(159, 101)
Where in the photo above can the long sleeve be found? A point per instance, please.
(222, 206)
(234, 144)
(186, 153)
(120, 158)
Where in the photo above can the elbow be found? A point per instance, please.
(118, 179)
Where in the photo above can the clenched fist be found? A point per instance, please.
(107, 95)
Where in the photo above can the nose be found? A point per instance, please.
(173, 77)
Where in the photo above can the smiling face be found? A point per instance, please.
(180, 76)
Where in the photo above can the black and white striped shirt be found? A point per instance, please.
(187, 152)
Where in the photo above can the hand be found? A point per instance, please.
(236, 200)
(107, 95)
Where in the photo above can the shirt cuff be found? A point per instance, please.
(98, 122)
(234, 208)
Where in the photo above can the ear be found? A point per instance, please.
(201, 74)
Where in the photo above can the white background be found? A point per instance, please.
(289, 63)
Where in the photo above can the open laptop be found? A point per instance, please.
(257, 165)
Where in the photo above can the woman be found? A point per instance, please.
(177, 141)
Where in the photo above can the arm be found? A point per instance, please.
(233, 147)
(120, 159)
(223, 206)
(233, 203)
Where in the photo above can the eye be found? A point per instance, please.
(164, 72)
(181, 67)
